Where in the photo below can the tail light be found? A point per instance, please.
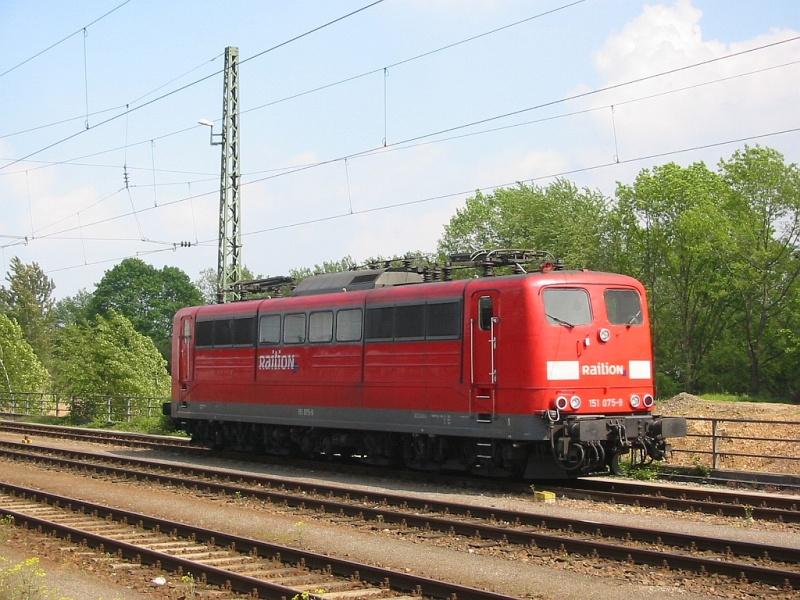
(648, 401)
(562, 403)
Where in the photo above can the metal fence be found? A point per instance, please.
(87, 407)
(723, 440)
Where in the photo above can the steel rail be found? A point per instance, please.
(731, 503)
(379, 576)
(407, 517)
(104, 436)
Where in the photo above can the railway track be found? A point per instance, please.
(234, 562)
(763, 563)
(103, 436)
(680, 498)
(720, 502)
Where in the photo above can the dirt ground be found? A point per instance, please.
(784, 439)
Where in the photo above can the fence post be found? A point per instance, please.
(128, 411)
(713, 444)
(109, 410)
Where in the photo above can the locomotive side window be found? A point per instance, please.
(485, 312)
(444, 320)
(222, 335)
(623, 307)
(294, 329)
(567, 307)
(348, 325)
(204, 333)
(269, 329)
(380, 323)
(320, 326)
(409, 322)
(244, 331)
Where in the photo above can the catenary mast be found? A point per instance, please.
(229, 258)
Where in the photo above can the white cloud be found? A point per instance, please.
(663, 37)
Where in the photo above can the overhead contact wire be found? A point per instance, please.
(192, 83)
(64, 39)
(463, 192)
(403, 146)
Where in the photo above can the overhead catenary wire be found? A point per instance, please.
(312, 90)
(192, 83)
(418, 140)
(384, 69)
(528, 180)
(85, 79)
(64, 39)
(615, 86)
(110, 108)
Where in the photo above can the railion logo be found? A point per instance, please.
(278, 362)
(602, 369)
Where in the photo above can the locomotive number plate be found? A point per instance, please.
(606, 403)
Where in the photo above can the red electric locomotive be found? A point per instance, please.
(544, 374)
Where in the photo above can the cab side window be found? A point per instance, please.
(485, 312)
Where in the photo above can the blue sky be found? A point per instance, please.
(146, 44)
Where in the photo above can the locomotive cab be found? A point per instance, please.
(595, 369)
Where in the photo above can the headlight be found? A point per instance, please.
(561, 403)
(648, 401)
(575, 402)
(604, 335)
(635, 400)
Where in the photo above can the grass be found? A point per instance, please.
(159, 425)
(721, 397)
(648, 472)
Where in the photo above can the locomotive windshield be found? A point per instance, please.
(567, 306)
(623, 307)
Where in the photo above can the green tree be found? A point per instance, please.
(206, 283)
(20, 368)
(328, 266)
(147, 296)
(560, 218)
(28, 299)
(108, 357)
(765, 266)
(674, 235)
(72, 309)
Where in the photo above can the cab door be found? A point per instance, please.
(483, 337)
(185, 358)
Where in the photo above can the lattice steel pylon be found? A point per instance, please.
(229, 258)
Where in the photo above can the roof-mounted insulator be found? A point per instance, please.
(447, 273)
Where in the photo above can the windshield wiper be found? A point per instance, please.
(634, 317)
(560, 321)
